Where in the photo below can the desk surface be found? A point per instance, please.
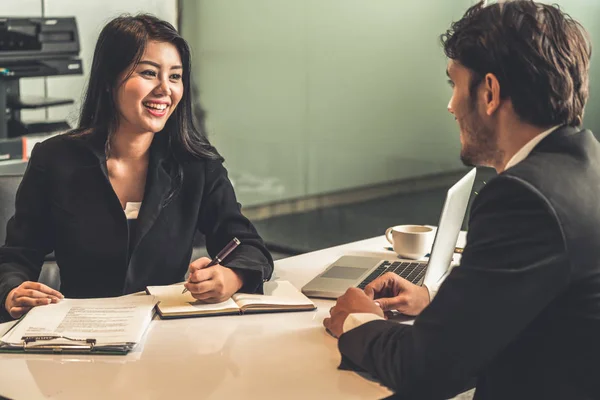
(268, 356)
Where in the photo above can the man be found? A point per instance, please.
(520, 316)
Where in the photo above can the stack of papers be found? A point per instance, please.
(111, 325)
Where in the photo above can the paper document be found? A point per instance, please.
(116, 323)
(5, 327)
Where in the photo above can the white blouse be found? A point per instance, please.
(132, 209)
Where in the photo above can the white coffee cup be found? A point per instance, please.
(410, 241)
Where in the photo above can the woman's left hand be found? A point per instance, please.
(212, 284)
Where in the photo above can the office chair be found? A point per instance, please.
(9, 183)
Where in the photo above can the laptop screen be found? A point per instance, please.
(451, 219)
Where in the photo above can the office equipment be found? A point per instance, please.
(231, 246)
(34, 47)
(11, 149)
(352, 271)
(111, 326)
(279, 296)
(16, 149)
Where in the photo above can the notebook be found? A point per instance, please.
(279, 296)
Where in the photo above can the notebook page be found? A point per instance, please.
(172, 301)
(277, 293)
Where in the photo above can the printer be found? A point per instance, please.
(34, 47)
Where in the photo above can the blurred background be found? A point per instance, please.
(331, 114)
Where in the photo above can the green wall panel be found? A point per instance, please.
(316, 96)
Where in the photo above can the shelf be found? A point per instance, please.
(33, 102)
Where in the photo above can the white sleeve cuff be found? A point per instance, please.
(355, 320)
(432, 289)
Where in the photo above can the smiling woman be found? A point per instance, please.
(120, 198)
(150, 93)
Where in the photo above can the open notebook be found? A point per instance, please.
(279, 296)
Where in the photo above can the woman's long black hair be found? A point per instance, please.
(120, 46)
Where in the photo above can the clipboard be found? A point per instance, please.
(56, 344)
(48, 329)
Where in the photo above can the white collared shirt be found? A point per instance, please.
(529, 146)
(355, 320)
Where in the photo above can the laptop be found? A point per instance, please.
(358, 271)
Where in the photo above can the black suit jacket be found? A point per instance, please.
(66, 204)
(521, 314)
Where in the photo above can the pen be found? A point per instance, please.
(222, 254)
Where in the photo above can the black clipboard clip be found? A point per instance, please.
(32, 343)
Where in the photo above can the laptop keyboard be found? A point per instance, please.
(411, 271)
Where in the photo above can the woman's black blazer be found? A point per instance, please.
(66, 204)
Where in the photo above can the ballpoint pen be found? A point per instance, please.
(222, 254)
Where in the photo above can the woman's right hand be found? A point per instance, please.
(28, 295)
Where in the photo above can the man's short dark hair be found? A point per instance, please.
(539, 55)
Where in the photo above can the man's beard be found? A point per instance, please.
(480, 144)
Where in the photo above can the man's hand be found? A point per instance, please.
(212, 284)
(28, 295)
(353, 301)
(395, 293)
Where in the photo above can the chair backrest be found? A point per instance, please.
(9, 183)
(8, 190)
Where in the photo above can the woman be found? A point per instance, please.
(119, 199)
